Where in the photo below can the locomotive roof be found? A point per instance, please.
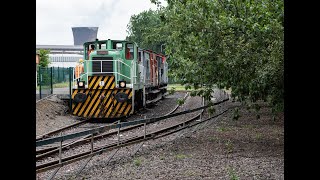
(104, 40)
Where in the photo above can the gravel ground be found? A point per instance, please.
(50, 114)
(192, 103)
(223, 149)
(162, 107)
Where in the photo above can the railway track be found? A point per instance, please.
(125, 142)
(61, 129)
(43, 153)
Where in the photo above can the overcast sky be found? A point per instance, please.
(54, 18)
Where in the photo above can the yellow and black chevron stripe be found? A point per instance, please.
(96, 107)
(94, 82)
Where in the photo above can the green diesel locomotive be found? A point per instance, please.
(117, 79)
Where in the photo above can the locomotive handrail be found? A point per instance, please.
(89, 72)
(142, 74)
(119, 60)
(115, 126)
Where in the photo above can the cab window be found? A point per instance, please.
(103, 46)
(129, 51)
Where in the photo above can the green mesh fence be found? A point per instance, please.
(50, 78)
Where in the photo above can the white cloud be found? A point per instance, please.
(54, 18)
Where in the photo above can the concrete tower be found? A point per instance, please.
(84, 34)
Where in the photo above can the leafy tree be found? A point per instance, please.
(44, 58)
(234, 44)
(145, 30)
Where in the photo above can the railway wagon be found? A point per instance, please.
(118, 79)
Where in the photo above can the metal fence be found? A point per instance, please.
(49, 78)
(60, 74)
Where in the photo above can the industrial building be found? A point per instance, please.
(68, 55)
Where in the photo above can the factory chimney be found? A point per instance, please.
(84, 34)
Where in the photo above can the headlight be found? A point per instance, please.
(122, 84)
(80, 84)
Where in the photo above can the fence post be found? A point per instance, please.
(58, 75)
(40, 79)
(63, 75)
(51, 80)
(70, 99)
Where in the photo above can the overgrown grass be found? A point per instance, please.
(232, 174)
(190, 173)
(177, 87)
(180, 156)
(248, 126)
(55, 85)
(229, 146)
(222, 129)
(43, 87)
(61, 85)
(161, 157)
(258, 136)
(213, 139)
(137, 162)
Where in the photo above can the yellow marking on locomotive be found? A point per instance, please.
(104, 82)
(85, 104)
(111, 104)
(111, 82)
(116, 109)
(108, 106)
(78, 105)
(103, 103)
(93, 102)
(97, 83)
(108, 100)
(97, 103)
(122, 108)
(93, 106)
(82, 106)
(128, 109)
(123, 105)
(73, 94)
(129, 106)
(92, 80)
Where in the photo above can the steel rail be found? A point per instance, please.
(115, 126)
(123, 143)
(61, 129)
(48, 151)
